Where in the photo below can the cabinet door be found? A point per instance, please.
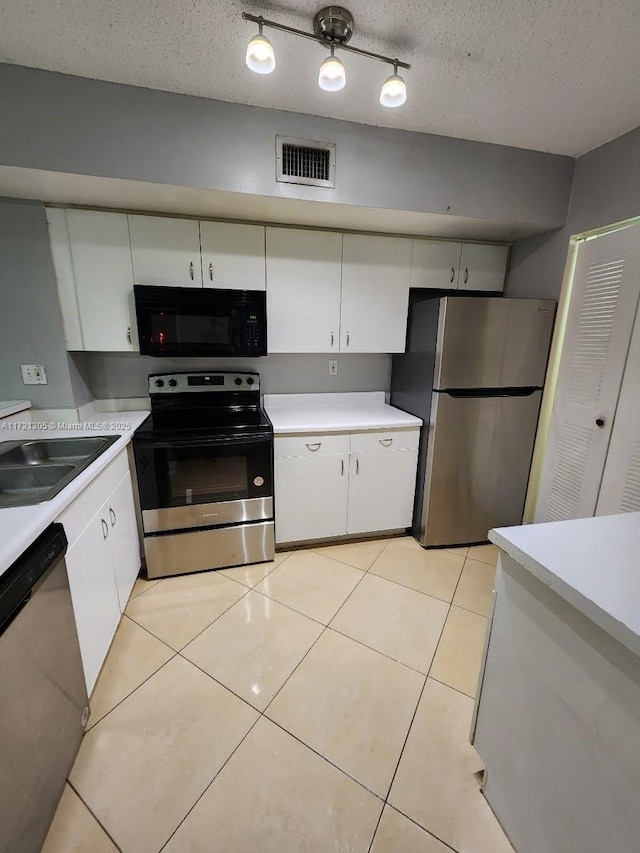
(93, 592)
(165, 251)
(65, 278)
(435, 264)
(604, 297)
(381, 490)
(123, 537)
(375, 293)
(232, 255)
(303, 283)
(101, 258)
(311, 497)
(482, 267)
(620, 489)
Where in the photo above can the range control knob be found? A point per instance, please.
(172, 383)
(159, 383)
(250, 380)
(238, 380)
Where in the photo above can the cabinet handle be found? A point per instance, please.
(314, 447)
(385, 442)
(210, 272)
(129, 334)
(105, 528)
(466, 275)
(357, 465)
(342, 467)
(113, 517)
(453, 275)
(347, 338)
(191, 270)
(600, 422)
(331, 338)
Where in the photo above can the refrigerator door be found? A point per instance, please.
(492, 342)
(478, 459)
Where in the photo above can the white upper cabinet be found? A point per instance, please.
(303, 293)
(435, 264)
(375, 293)
(232, 255)
(165, 251)
(101, 256)
(482, 267)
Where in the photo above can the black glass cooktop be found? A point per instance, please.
(203, 422)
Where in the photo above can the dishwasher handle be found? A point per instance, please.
(29, 572)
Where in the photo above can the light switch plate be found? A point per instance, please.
(33, 374)
(333, 367)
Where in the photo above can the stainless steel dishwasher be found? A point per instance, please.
(43, 698)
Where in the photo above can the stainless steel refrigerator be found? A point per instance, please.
(473, 371)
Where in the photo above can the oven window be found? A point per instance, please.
(204, 480)
(189, 329)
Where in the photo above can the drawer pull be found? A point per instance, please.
(129, 334)
(466, 275)
(113, 517)
(386, 442)
(105, 528)
(331, 338)
(453, 275)
(314, 447)
(342, 467)
(211, 272)
(357, 465)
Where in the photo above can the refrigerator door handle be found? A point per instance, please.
(475, 393)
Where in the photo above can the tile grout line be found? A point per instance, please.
(428, 831)
(227, 760)
(95, 817)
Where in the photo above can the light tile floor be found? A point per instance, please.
(321, 702)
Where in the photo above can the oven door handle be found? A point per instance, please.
(151, 444)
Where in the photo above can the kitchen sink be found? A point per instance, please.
(35, 470)
(59, 450)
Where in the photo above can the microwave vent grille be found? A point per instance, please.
(302, 161)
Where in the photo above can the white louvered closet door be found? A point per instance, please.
(603, 306)
(620, 489)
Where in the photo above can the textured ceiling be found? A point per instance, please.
(553, 75)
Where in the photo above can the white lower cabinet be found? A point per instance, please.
(103, 562)
(326, 487)
(311, 495)
(381, 490)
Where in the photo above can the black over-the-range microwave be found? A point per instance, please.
(191, 321)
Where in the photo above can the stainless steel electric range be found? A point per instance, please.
(204, 459)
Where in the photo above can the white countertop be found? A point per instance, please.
(593, 563)
(10, 407)
(21, 525)
(315, 413)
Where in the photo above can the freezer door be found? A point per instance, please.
(492, 342)
(478, 459)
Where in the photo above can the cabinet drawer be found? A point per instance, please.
(311, 445)
(403, 439)
(78, 514)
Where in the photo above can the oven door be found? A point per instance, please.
(204, 483)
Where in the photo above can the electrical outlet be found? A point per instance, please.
(333, 367)
(33, 374)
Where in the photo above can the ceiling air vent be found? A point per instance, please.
(301, 161)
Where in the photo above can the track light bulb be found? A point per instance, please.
(332, 76)
(393, 92)
(260, 55)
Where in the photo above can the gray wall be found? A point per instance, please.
(30, 321)
(110, 375)
(70, 124)
(606, 189)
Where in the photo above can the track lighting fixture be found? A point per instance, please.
(332, 27)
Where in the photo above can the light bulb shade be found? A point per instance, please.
(393, 92)
(260, 55)
(332, 76)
